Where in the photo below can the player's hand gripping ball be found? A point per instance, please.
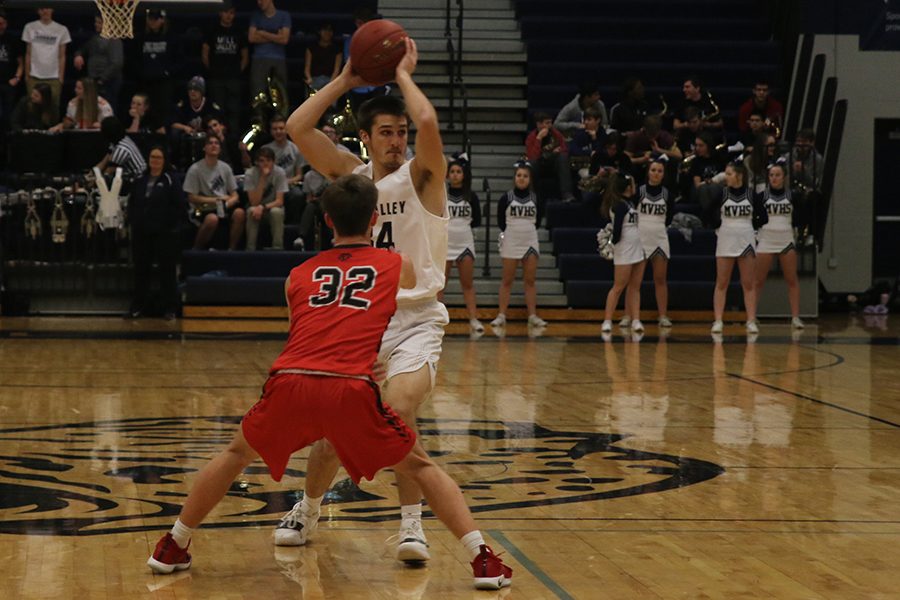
(376, 49)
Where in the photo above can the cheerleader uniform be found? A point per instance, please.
(464, 215)
(655, 210)
(735, 223)
(518, 215)
(777, 236)
(627, 246)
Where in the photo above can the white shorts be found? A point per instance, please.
(774, 242)
(413, 337)
(735, 243)
(655, 241)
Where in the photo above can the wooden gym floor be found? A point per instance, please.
(665, 467)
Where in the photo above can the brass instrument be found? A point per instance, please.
(273, 101)
(665, 107)
(345, 124)
(773, 127)
(716, 113)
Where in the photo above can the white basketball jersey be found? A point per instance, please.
(408, 226)
(778, 206)
(653, 207)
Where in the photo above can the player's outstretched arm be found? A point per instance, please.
(407, 273)
(429, 167)
(315, 145)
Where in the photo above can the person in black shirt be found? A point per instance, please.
(628, 115)
(225, 54)
(141, 116)
(154, 58)
(611, 158)
(35, 111)
(695, 96)
(156, 212)
(11, 70)
(323, 59)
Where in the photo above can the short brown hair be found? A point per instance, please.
(350, 201)
(379, 105)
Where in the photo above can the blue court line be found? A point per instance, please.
(530, 566)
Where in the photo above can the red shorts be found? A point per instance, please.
(296, 410)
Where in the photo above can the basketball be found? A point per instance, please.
(376, 49)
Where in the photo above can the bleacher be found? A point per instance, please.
(727, 44)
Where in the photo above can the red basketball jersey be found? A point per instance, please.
(341, 302)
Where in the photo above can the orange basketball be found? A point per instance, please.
(376, 49)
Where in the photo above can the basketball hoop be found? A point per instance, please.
(118, 17)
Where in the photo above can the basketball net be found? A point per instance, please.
(118, 17)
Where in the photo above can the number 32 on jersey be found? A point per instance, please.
(335, 285)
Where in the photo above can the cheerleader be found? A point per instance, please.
(628, 251)
(735, 219)
(777, 238)
(518, 215)
(655, 213)
(465, 213)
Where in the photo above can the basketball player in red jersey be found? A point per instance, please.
(413, 217)
(321, 387)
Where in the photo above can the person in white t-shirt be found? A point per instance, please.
(45, 52)
(87, 109)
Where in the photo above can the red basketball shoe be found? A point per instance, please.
(489, 571)
(168, 556)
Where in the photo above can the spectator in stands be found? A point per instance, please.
(314, 184)
(546, 148)
(649, 143)
(190, 116)
(86, 109)
(807, 169)
(36, 111)
(611, 158)
(695, 96)
(357, 96)
(45, 53)
(225, 54)
(628, 252)
(756, 126)
(122, 151)
(265, 185)
(571, 117)
(155, 62)
(270, 32)
(763, 103)
(234, 152)
(155, 214)
(628, 115)
(702, 173)
(590, 137)
(519, 213)
(758, 161)
(11, 71)
(104, 59)
(212, 193)
(142, 118)
(323, 59)
(685, 136)
(735, 217)
(288, 157)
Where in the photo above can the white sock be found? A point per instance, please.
(410, 512)
(310, 505)
(181, 533)
(473, 541)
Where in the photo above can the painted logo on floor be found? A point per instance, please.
(133, 474)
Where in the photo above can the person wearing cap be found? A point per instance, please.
(190, 115)
(154, 62)
(225, 54)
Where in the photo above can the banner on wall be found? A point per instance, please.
(881, 28)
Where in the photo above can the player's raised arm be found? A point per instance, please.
(321, 152)
(429, 166)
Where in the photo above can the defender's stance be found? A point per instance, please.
(321, 387)
(412, 216)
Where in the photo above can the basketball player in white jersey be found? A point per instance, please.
(412, 202)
